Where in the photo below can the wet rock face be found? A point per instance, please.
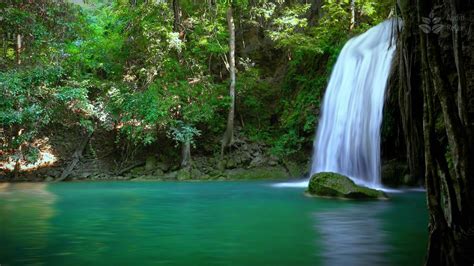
(338, 186)
(396, 173)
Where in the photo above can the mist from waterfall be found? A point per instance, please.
(348, 134)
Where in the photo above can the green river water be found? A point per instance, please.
(204, 223)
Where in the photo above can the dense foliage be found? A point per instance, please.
(154, 70)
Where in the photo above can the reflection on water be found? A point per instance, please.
(25, 207)
(353, 235)
(212, 223)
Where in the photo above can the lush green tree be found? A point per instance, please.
(36, 90)
(176, 70)
(35, 31)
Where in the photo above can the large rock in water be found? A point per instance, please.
(339, 186)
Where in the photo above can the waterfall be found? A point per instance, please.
(348, 134)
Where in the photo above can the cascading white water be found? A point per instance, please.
(348, 135)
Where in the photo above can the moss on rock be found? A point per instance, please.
(184, 174)
(339, 186)
(275, 172)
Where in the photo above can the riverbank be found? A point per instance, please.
(102, 159)
(258, 173)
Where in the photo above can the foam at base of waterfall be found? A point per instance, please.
(304, 184)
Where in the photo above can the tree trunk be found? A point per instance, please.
(76, 157)
(128, 168)
(177, 16)
(18, 48)
(4, 45)
(212, 4)
(353, 13)
(185, 154)
(410, 98)
(449, 193)
(17, 169)
(425, 58)
(458, 59)
(437, 180)
(315, 12)
(229, 133)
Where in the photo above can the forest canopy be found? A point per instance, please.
(159, 71)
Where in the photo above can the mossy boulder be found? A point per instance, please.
(339, 186)
(158, 172)
(184, 174)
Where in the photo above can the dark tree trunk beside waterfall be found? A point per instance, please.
(424, 58)
(410, 98)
